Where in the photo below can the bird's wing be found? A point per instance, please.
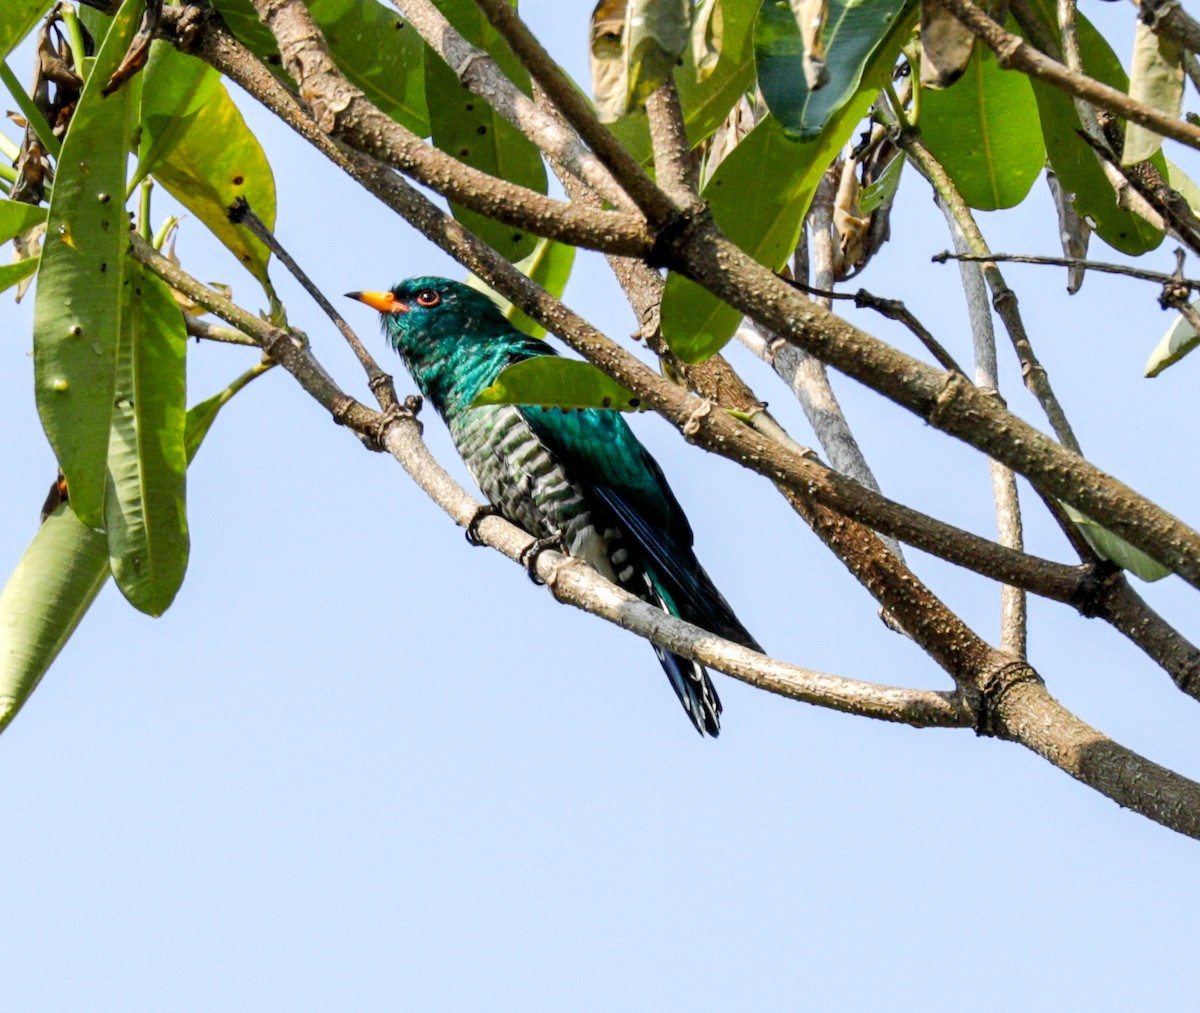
(605, 457)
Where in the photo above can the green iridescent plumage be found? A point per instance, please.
(579, 474)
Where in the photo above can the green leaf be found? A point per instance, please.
(984, 129)
(1073, 160)
(179, 88)
(54, 583)
(13, 274)
(550, 266)
(551, 382)
(185, 108)
(656, 35)
(144, 512)
(17, 18)
(58, 578)
(1157, 81)
(465, 126)
(1180, 339)
(883, 188)
(17, 216)
(1115, 549)
(373, 46)
(759, 195)
(855, 29)
(81, 277)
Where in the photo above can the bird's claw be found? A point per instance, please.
(529, 556)
(472, 529)
(379, 429)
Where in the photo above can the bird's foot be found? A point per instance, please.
(375, 435)
(529, 557)
(472, 530)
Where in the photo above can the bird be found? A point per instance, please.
(579, 477)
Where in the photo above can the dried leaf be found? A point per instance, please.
(850, 225)
(1073, 231)
(1156, 80)
(946, 45)
(607, 59)
(811, 16)
(708, 35)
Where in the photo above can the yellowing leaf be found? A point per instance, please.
(1156, 79)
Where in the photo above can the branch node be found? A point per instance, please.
(948, 394)
(994, 684)
(692, 426)
(675, 234)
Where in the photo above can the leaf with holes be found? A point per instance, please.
(56, 581)
(465, 126)
(144, 512)
(185, 108)
(81, 276)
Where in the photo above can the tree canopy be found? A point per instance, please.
(737, 162)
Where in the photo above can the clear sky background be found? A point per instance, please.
(361, 765)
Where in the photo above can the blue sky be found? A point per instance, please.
(361, 765)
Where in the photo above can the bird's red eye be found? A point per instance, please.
(428, 298)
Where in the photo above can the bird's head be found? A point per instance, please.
(423, 312)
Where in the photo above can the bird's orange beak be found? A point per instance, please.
(385, 302)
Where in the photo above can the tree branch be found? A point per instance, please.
(1013, 53)
(343, 112)
(563, 94)
(477, 71)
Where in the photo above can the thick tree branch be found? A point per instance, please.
(945, 401)
(1004, 695)
(482, 75)
(563, 94)
(219, 48)
(569, 580)
(343, 112)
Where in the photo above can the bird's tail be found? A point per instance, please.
(695, 690)
(690, 594)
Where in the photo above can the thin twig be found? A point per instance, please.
(1141, 274)
(1013, 606)
(208, 331)
(893, 309)
(240, 213)
(1003, 298)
